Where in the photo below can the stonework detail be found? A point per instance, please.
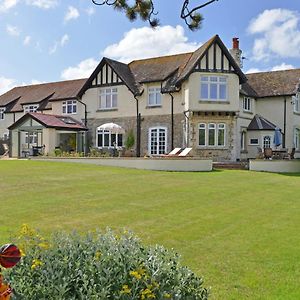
(147, 122)
(226, 153)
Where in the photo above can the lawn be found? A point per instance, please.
(240, 230)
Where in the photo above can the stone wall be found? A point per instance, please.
(129, 123)
(226, 153)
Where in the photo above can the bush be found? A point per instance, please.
(99, 266)
(129, 143)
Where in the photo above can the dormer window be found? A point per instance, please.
(154, 96)
(213, 88)
(2, 114)
(247, 104)
(30, 108)
(69, 107)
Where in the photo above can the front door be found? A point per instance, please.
(157, 141)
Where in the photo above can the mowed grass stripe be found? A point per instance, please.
(238, 229)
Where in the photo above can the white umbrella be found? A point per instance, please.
(112, 127)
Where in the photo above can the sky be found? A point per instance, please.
(53, 40)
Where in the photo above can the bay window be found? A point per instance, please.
(108, 98)
(213, 88)
(212, 134)
(107, 139)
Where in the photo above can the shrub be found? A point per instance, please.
(100, 266)
(129, 143)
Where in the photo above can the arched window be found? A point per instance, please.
(108, 139)
(267, 141)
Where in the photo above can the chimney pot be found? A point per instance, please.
(235, 43)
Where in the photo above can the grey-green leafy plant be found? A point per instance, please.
(100, 266)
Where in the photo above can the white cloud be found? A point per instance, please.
(27, 40)
(136, 43)
(12, 30)
(279, 34)
(83, 69)
(64, 40)
(44, 4)
(282, 66)
(6, 84)
(90, 11)
(71, 14)
(6, 5)
(53, 48)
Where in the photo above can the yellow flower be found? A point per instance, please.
(135, 274)
(44, 246)
(147, 294)
(125, 289)
(22, 252)
(167, 296)
(36, 263)
(98, 255)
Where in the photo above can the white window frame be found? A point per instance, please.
(2, 113)
(156, 93)
(157, 147)
(30, 108)
(31, 138)
(72, 104)
(247, 104)
(263, 141)
(110, 144)
(296, 101)
(297, 138)
(108, 94)
(202, 126)
(215, 127)
(254, 144)
(211, 80)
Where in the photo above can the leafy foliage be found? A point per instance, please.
(99, 266)
(129, 143)
(145, 10)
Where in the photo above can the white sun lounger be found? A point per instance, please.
(174, 152)
(185, 152)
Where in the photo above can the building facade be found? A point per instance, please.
(201, 100)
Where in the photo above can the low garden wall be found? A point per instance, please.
(276, 166)
(160, 164)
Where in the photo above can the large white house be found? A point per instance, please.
(201, 99)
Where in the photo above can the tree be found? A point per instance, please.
(146, 11)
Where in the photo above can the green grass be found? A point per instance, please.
(240, 230)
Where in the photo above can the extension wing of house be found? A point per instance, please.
(201, 100)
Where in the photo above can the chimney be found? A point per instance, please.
(236, 52)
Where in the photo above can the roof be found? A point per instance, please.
(260, 123)
(52, 121)
(275, 83)
(37, 93)
(158, 68)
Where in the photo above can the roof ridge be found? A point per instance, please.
(46, 83)
(276, 71)
(162, 56)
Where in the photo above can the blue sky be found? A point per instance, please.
(51, 40)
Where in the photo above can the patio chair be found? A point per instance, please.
(290, 155)
(174, 152)
(185, 152)
(268, 153)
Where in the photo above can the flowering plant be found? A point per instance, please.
(100, 266)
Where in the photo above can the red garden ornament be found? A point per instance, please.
(10, 255)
